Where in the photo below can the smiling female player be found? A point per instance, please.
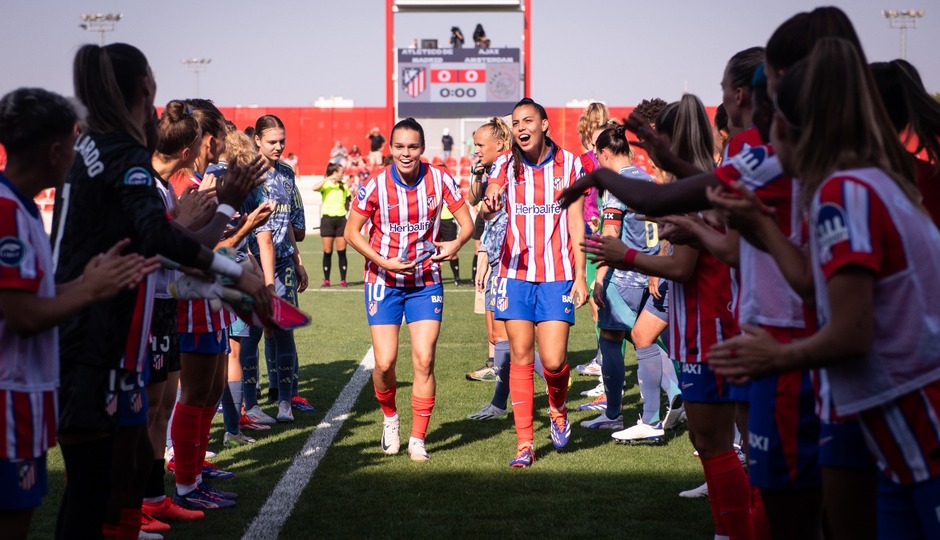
(541, 269)
(403, 202)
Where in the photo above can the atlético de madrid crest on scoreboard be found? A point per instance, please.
(441, 83)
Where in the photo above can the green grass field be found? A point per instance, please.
(592, 488)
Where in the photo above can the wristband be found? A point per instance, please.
(630, 256)
(225, 266)
(225, 209)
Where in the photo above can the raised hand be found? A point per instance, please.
(109, 273)
(745, 357)
(240, 180)
(605, 251)
(195, 206)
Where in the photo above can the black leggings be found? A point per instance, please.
(87, 488)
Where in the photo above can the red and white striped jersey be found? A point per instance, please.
(904, 435)
(402, 216)
(764, 295)
(195, 316)
(29, 366)
(538, 245)
(861, 218)
(700, 310)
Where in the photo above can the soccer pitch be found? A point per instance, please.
(592, 488)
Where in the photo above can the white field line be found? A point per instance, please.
(278, 507)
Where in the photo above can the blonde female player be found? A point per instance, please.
(541, 271)
(403, 202)
(490, 140)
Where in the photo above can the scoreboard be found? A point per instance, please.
(454, 83)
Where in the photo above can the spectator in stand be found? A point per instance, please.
(292, 161)
(376, 140)
(338, 154)
(335, 205)
(456, 37)
(448, 143)
(480, 41)
(250, 132)
(355, 156)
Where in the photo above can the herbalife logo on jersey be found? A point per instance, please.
(409, 227)
(538, 209)
(830, 230)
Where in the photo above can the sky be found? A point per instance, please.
(291, 52)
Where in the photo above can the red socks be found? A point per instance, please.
(522, 394)
(187, 442)
(129, 528)
(205, 426)
(759, 516)
(558, 387)
(387, 401)
(421, 408)
(729, 487)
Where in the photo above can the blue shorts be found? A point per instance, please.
(783, 433)
(842, 445)
(620, 313)
(659, 306)
(387, 305)
(131, 398)
(204, 342)
(23, 483)
(699, 384)
(908, 511)
(536, 302)
(740, 392)
(492, 281)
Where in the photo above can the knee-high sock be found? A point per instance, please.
(614, 373)
(759, 516)
(235, 388)
(230, 416)
(522, 391)
(208, 413)
(270, 349)
(557, 384)
(649, 372)
(154, 491)
(501, 368)
(248, 358)
(187, 438)
(285, 352)
(473, 265)
(129, 527)
(670, 380)
(455, 268)
(728, 484)
(387, 401)
(82, 509)
(341, 256)
(327, 264)
(421, 408)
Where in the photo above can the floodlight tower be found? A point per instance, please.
(902, 20)
(196, 66)
(99, 22)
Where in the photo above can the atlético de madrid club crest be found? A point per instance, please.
(556, 182)
(373, 308)
(502, 303)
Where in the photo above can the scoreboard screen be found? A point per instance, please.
(454, 83)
